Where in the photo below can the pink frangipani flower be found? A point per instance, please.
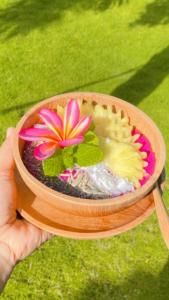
(59, 132)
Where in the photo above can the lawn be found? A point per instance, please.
(117, 47)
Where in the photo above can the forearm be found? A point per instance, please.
(6, 264)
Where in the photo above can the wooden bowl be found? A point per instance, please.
(85, 214)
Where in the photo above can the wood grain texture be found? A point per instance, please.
(34, 210)
(162, 214)
(86, 214)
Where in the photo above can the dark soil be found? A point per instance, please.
(34, 166)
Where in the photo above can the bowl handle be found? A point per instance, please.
(162, 213)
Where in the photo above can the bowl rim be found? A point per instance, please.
(129, 197)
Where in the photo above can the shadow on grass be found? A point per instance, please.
(146, 79)
(23, 16)
(135, 89)
(22, 107)
(142, 285)
(155, 13)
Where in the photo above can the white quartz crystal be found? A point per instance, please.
(104, 181)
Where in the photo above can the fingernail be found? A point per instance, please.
(9, 132)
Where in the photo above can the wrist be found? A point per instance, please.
(7, 263)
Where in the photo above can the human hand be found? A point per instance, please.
(18, 238)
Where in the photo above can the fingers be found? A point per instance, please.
(21, 237)
(7, 183)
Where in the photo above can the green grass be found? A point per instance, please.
(117, 47)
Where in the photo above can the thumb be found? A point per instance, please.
(6, 157)
(7, 182)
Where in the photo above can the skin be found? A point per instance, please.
(18, 238)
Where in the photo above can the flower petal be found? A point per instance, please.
(67, 174)
(52, 120)
(81, 127)
(45, 150)
(135, 131)
(150, 158)
(71, 116)
(37, 134)
(144, 180)
(69, 142)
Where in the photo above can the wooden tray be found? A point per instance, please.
(33, 210)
